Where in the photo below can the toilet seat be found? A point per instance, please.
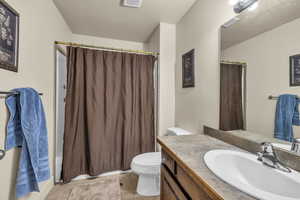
(147, 163)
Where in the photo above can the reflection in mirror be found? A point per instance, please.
(264, 45)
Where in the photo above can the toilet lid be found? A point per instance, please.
(147, 163)
(148, 159)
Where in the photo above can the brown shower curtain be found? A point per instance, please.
(109, 113)
(231, 97)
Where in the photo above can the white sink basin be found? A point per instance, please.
(246, 173)
(282, 146)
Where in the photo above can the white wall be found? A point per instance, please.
(199, 30)
(40, 25)
(267, 57)
(167, 77)
(153, 42)
(107, 42)
(163, 40)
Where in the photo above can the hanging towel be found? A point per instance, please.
(26, 128)
(287, 115)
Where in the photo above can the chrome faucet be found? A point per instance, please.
(296, 145)
(269, 158)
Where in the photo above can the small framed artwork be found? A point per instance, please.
(188, 69)
(9, 37)
(295, 70)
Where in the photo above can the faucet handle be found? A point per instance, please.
(267, 147)
(296, 145)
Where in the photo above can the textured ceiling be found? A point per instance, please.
(269, 15)
(106, 18)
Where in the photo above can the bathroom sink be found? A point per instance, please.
(246, 173)
(282, 146)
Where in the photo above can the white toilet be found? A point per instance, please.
(147, 166)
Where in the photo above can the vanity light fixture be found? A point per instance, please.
(233, 2)
(253, 7)
(242, 5)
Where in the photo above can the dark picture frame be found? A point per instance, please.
(9, 37)
(295, 70)
(188, 69)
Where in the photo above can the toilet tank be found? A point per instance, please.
(177, 131)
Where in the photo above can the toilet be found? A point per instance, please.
(147, 167)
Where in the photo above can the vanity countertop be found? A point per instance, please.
(189, 152)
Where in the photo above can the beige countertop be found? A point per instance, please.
(190, 150)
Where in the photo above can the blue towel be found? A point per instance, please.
(26, 128)
(287, 115)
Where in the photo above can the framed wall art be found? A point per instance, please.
(295, 70)
(188, 69)
(9, 37)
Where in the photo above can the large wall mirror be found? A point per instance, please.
(260, 62)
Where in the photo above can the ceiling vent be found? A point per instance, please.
(133, 3)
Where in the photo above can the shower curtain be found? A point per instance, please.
(231, 97)
(109, 112)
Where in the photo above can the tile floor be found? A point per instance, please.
(127, 186)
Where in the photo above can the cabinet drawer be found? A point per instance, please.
(195, 191)
(168, 162)
(170, 190)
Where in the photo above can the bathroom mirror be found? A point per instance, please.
(259, 61)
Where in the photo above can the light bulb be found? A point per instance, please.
(253, 7)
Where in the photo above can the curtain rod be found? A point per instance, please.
(107, 48)
(230, 62)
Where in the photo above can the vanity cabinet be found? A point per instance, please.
(170, 190)
(177, 182)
